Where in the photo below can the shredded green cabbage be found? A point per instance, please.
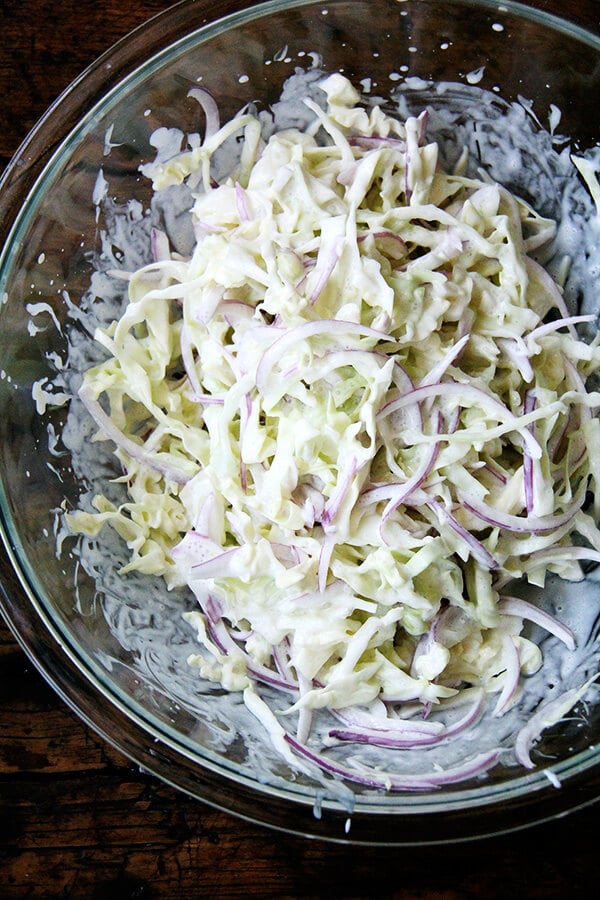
(352, 418)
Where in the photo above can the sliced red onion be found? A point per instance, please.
(522, 609)
(159, 245)
(391, 244)
(198, 547)
(281, 657)
(405, 738)
(190, 370)
(267, 676)
(213, 608)
(516, 350)
(327, 545)
(404, 491)
(558, 553)
(464, 392)
(344, 484)
(243, 476)
(435, 374)
(130, 447)
(312, 502)
(325, 271)
(389, 781)
(564, 322)
(521, 524)
(422, 120)
(357, 719)
(552, 290)
(236, 311)
(416, 480)
(241, 200)
(375, 493)
(287, 554)
(334, 359)
(425, 641)
(390, 236)
(201, 228)
(471, 716)
(216, 635)
(218, 566)
(401, 378)
(495, 472)
(476, 548)
(305, 714)
(379, 737)
(546, 716)
(512, 662)
(210, 109)
(327, 327)
(368, 141)
(219, 633)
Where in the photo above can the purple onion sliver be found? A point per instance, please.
(466, 392)
(553, 290)
(380, 738)
(267, 676)
(416, 480)
(220, 634)
(367, 141)
(358, 720)
(218, 566)
(210, 108)
(522, 524)
(327, 271)
(565, 322)
(477, 549)
(435, 374)
(408, 737)
(388, 781)
(129, 446)
(512, 661)
(332, 506)
(545, 716)
(159, 245)
(241, 201)
(328, 327)
(522, 609)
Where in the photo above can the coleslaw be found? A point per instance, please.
(353, 421)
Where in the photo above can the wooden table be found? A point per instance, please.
(77, 819)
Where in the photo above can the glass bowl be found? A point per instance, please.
(113, 647)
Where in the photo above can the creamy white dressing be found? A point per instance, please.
(146, 620)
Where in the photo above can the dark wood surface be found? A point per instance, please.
(77, 819)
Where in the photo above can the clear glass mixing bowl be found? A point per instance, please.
(129, 680)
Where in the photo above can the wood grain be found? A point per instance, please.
(77, 819)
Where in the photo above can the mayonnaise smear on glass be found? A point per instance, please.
(356, 421)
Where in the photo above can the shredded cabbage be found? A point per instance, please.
(349, 422)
